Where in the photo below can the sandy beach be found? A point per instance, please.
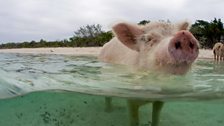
(94, 51)
(61, 50)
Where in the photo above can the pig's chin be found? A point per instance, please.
(177, 68)
(171, 66)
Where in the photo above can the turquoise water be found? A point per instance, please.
(58, 90)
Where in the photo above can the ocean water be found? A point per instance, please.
(59, 90)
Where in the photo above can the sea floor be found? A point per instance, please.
(74, 109)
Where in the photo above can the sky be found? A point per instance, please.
(27, 20)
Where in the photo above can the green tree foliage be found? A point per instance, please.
(208, 33)
(89, 31)
(90, 35)
(143, 22)
(34, 44)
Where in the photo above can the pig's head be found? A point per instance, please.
(161, 46)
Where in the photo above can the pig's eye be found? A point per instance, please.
(149, 39)
(143, 38)
(152, 39)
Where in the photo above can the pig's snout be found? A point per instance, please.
(183, 47)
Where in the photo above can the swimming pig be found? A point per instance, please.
(156, 46)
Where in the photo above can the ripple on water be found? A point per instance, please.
(25, 73)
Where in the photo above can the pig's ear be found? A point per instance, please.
(128, 34)
(183, 25)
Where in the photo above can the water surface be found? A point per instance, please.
(23, 73)
(59, 90)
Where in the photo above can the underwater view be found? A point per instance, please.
(63, 90)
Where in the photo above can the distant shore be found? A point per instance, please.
(94, 51)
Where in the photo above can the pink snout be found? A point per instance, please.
(183, 47)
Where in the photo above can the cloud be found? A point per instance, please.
(27, 20)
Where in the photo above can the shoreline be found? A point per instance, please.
(93, 51)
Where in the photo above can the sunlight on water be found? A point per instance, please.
(23, 73)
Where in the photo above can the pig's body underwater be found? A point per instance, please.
(155, 46)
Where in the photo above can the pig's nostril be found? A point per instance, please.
(178, 45)
(191, 45)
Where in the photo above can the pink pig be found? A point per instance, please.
(156, 46)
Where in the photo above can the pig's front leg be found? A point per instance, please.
(157, 107)
(133, 107)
